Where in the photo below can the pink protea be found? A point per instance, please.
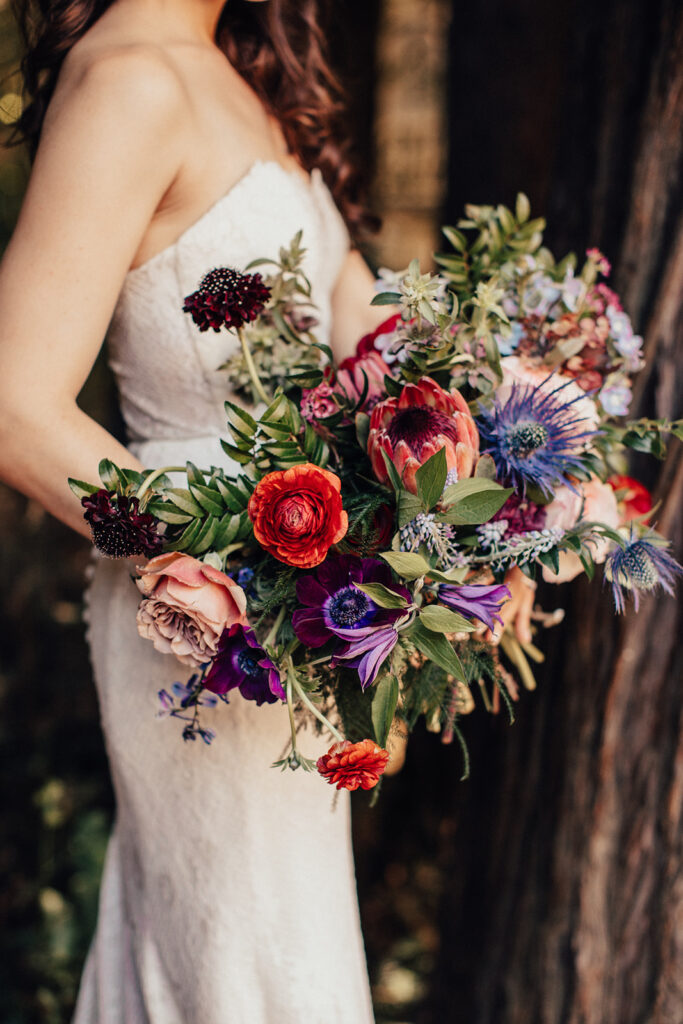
(416, 425)
(354, 372)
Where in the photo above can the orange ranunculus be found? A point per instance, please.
(298, 515)
(350, 765)
(416, 425)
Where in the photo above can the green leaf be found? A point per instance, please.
(392, 386)
(163, 510)
(522, 208)
(183, 500)
(384, 701)
(455, 575)
(81, 489)
(208, 499)
(485, 468)
(456, 238)
(110, 475)
(430, 478)
(550, 559)
(395, 479)
(409, 506)
(439, 619)
(206, 536)
(241, 415)
(194, 476)
(382, 596)
(407, 564)
(187, 537)
(386, 299)
(478, 506)
(438, 649)
(362, 429)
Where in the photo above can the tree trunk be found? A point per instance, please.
(564, 903)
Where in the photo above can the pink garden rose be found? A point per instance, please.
(599, 504)
(187, 604)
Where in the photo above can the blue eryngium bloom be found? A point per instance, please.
(643, 564)
(534, 437)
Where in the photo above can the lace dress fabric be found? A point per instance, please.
(228, 894)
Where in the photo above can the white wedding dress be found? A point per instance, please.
(228, 894)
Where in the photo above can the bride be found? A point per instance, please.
(173, 136)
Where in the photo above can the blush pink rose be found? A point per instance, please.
(186, 606)
(595, 502)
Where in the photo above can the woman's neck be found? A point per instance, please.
(193, 20)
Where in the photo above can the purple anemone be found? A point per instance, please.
(476, 601)
(335, 609)
(243, 664)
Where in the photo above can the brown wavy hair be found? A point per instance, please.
(277, 47)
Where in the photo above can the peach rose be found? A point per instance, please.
(595, 502)
(187, 605)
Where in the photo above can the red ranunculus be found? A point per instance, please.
(353, 372)
(416, 425)
(298, 515)
(350, 765)
(633, 498)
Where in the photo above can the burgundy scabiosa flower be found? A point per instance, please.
(119, 529)
(241, 663)
(227, 298)
(416, 425)
(476, 601)
(334, 609)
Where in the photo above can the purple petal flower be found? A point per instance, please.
(476, 601)
(242, 663)
(334, 606)
(367, 650)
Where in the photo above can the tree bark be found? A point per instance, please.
(564, 899)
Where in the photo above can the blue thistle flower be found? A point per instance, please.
(534, 437)
(643, 564)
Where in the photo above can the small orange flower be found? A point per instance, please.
(351, 765)
(298, 515)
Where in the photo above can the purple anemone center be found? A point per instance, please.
(349, 608)
(418, 425)
(527, 437)
(247, 662)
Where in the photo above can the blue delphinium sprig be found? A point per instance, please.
(534, 437)
(643, 564)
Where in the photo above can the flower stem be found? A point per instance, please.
(290, 709)
(270, 639)
(148, 481)
(303, 696)
(251, 367)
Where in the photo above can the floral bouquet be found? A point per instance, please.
(355, 567)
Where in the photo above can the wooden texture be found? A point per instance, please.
(564, 899)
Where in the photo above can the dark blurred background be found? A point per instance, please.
(546, 889)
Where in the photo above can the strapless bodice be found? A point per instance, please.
(169, 386)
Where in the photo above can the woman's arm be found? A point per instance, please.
(352, 314)
(110, 150)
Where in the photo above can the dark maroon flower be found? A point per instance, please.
(227, 298)
(243, 664)
(118, 528)
(521, 515)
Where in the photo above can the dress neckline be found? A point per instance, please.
(307, 181)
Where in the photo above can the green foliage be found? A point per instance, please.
(384, 703)
(278, 439)
(437, 648)
(425, 692)
(353, 704)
